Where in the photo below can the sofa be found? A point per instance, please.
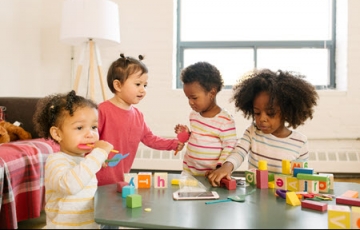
(22, 162)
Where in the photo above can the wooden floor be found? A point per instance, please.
(39, 223)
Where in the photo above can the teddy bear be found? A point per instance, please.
(10, 132)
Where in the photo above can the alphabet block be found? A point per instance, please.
(331, 179)
(298, 164)
(292, 184)
(144, 179)
(310, 186)
(280, 181)
(338, 217)
(250, 176)
(132, 179)
(160, 180)
(133, 201)
(355, 217)
(314, 205)
(127, 190)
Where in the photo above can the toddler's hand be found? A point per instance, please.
(216, 175)
(103, 145)
(181, 128)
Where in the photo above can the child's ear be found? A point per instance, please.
(117, 85)
(55, 133)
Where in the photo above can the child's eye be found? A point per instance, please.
(79, 128)
(145, 86)
(94, 127)
(257, 114)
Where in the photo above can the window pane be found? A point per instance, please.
(232, 63)
(313, 63)
(255, 20)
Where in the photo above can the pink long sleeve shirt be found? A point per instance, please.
(125, 129)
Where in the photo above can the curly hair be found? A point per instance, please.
(122, 68)
(51, 110)
(290, 91)
(205, 73)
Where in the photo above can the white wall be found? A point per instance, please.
(33, 62)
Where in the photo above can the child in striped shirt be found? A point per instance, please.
(276, 101)
(213, 132)
(70, 175)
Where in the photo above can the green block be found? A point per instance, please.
(133, 201)
(304, 176)
(270, 177)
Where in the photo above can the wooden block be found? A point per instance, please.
(120, 185)
(314, 205)
(292, 183)
(131, 178)
(261, 179)
(271, 184)
(302, 170)
(127, 190)
(286, 167)
(331, 179)
(229, 184)
(348, 201)
(271, 176)
(292, 199)
(338, 217)
(250, 176)
(355, 217)
(309, 186)
(160, 180)
(280, 181)
(304, 176)
(175, 181)
(350, 194)
(262, 165)
(133, 201)
(144, 179)
(298, 164)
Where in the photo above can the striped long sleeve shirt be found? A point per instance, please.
(267, 147)
(70, 186)
(210, 143)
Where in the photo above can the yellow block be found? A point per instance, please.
(338, 217)
(262, 165)
(286, 167)
(292, 199)
(355, 217)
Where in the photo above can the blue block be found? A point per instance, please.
(302, 170)
(127, 190)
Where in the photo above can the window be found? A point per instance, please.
(239, 35)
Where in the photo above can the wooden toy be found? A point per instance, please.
(132, 179)
(144, 179)
(160, 180)
(331, 178)
(133, 201)
(120, 185)
(348, 201)
(355, 217)
(298, 164)
(250, 176)
(350, 194)
(281, 193)
(323, 181)
(292, 184)
(280, 181)
(262, 177)
(292, 199)
(310, 186)
(338, 217)
(286, 167)
(302, 170)
(127, 190)
(314, 205)
(229, 184)
(175, 181)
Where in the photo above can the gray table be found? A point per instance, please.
(260, 210)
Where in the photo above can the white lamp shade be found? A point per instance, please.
(90, 19)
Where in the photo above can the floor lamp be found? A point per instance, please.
(90, 23)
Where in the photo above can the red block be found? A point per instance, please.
(229, 184)
(262, 178)
(314, 205)
(348, 201)
(120, 185)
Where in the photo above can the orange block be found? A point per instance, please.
(351, 194)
